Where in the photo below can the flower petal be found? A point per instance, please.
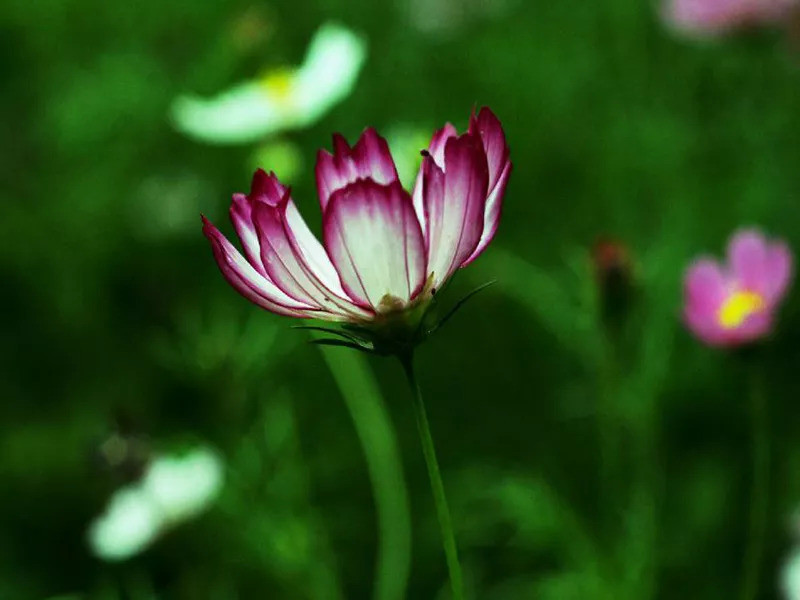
(488, 126)
(779, 269)
(247, 281)
(287, 266)
(375, 242)
(439, 141)
(431, 192)
(747, 258)
(754, 327)
(329, 71)
(436, 151)
(705, 326)
(705, 287)
(242, 218)
(244, 114)
(264, 188)
(369, 158)
(455, 216)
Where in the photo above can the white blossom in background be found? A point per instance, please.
(282, 99)
(790, 576)
(173, 489)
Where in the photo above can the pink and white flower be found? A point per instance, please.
(733, 304)
(383, 250)
(712, 17)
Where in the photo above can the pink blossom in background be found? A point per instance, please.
(712, 17)
(735, 303)
(383, 249)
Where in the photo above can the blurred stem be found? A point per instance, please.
(608, 434)
(379, 442)
(759, 484)
(437, 487)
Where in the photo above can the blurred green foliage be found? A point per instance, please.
(581, 460)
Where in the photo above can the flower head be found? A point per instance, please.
(718, 16)
(285, 98)
(173, 489)
(384, 251)
(733, 304)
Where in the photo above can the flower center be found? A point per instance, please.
(279, 84)
(738, 307)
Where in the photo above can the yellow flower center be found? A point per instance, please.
(738, 307)
(279, 84)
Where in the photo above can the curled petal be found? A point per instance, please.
(375, 242)
(491, 217)
(241, 213)
(455, 215)
(439, 141)
(368, 159)
(431, 191)
(436, 153)
(247, 281)
(265, 188)
(487, 125)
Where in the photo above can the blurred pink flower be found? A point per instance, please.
(719, 16)
(733, 304)
(383, 250)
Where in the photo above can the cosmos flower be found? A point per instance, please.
(733, 304)
(285, 98)
(712, 17)
(173, 489)
(384, 251)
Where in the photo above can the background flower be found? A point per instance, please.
(172, 490)
(282, 98)
(718, 16)
(732, 304)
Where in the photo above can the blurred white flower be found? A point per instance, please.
(790, 576)
(130, 524)
(285, 98)
(172, 490)
(182, 486)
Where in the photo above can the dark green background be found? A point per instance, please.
(114, 313)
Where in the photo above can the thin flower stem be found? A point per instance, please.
(437, 487)
(374, 428)
(759, 486)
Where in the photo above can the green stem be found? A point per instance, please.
(608, 434)
(437, 487)
(759, 487)
(378, 440)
